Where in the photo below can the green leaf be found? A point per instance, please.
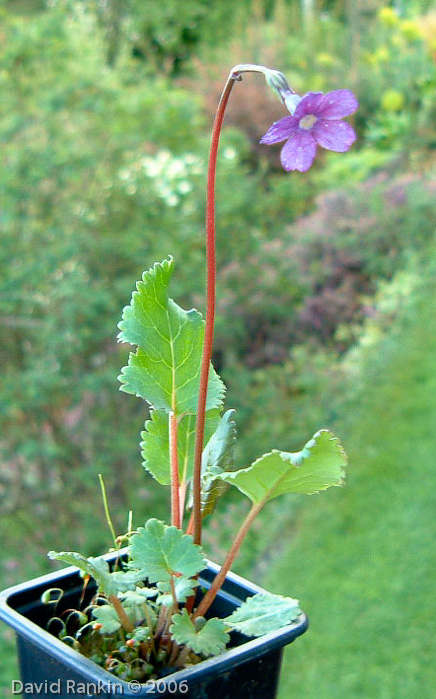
(217, 458)
(135, 602)
(205, 637)
(319, 465)
(165, 370)
(107, 617)
(185, 587)
(263, 613)
(160, 551)
(140, 595)
(126, 579)
(97, 568)
(108, 583)
(155, 444)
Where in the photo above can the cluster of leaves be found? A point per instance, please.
(164, 371)
(144, 640)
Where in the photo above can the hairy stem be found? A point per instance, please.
(160, 624)
(121, 613)
(183, 656)
(149, 621)
(174, 461)
(182, 497)
(220, 577)
(174, 653)
(173, 594)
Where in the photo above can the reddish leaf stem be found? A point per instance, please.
(220, 577)
(174, 461)
(182, 494)
(121, 613)
(173, 594)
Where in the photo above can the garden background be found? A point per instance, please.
(326, 314)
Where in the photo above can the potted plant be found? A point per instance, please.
(155, 618)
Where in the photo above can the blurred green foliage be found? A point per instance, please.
(104, 129)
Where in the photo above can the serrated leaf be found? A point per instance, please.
(126, 579)
(217, 458)
(263, 613)
(107, 617)
(319, 465)
(159, 551)
(165, 370)
(97, 568)
(184, 587)
(155, 444)
(108, 583)
(208, 639)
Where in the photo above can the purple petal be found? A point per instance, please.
(309, 104)
(337, 104)
(334, 135)
(281, 130)
(298, 153)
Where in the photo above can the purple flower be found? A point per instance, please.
(317, 120)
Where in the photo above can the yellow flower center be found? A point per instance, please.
(307, 121)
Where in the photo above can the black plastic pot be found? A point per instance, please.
(50, 668)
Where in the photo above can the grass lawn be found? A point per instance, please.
(363, 561)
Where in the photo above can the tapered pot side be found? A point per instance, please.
(248, 670)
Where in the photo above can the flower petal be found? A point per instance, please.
(298, 153)
(280, 130)
(337, 104)
(309, 104)
(334, 135)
